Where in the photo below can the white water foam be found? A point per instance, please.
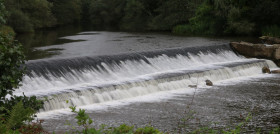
(129, 70)
(154, 97)
(131, 90)
(132, 79)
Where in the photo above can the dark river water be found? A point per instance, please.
(73, 41)
(143, 79)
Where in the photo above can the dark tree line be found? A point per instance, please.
(207, 17)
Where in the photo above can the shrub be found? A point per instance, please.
(147, 130)
(16, 116)
(14, 109)
(182, 30)
(11, 59)
(272, 30)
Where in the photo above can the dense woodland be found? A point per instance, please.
(195, 17)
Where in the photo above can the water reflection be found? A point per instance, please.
(46, 37)
(58, 42)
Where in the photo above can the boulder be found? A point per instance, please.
(277, 54)
(271, 52)
(209, 83)
(266, 70)
(193, 86)
(275, 71)
(270, 40)
(253, 50)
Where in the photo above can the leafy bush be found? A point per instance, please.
(15, 110)
(205, 22)
(147, 130)
(182, 30)
(11, 72)
(11, 59)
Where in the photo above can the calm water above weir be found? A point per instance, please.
(72, 42)
(142, 78)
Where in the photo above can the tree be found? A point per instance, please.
(67, 11)
(27, 15)
(136, 16)
(173, 12)
(106, 14)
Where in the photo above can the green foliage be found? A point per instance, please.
(82, 118)
(199, 17)
(174, 12)
(135, 17)
(67, 11)
(275, 131)
(221, 17)
(11, 59)
(237, 25)
(106, 14)
(123, 129)
(147, 130)
(28, 102)
(265, 13)
(14, 109)
(17, 115)
(3, 13)
(20, 21)
(273, 31)
(27, 15)
(84, 121)
(183, 30)
(205, 21)
(39, 12)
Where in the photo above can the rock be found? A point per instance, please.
(209, 83)
(271, 52)
(276, 46)
(277, 54)
(270, 40)
(193, 86)
(266, 70)
(253, 50)
(275, 71)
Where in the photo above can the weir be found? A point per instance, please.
(89, 80)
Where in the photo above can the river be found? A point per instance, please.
(145, 78)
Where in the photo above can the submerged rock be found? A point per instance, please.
(193, 86)
(266, 70)
(209, 83)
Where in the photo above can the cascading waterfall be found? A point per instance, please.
(89, 80)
